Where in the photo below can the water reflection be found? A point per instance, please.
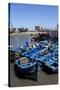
(19, 40)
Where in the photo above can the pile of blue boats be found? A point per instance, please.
(44, 53)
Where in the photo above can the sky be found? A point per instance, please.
(30, 15)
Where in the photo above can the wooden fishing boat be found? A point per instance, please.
(25, 68)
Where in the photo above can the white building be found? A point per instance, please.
(16, 31)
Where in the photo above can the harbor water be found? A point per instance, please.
(19, 40)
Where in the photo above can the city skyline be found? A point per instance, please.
(30, 15)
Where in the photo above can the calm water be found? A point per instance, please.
(19, 40)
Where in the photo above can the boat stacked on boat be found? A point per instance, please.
(43, 53)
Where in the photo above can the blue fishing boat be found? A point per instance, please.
(54, 56)
(49, 65)
(25, 68)
(32, 51)
(38, 57)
